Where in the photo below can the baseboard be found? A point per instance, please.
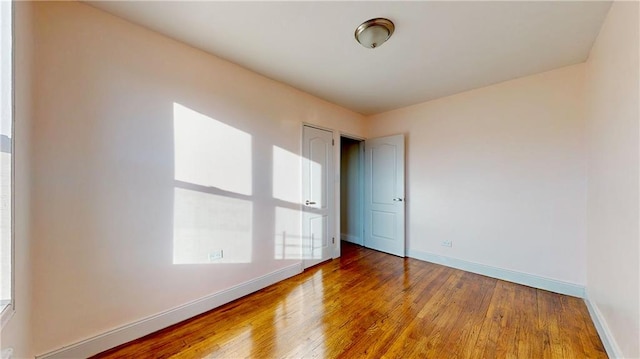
(610, 345)
(530, 280)
(138, 329)
(350, 238)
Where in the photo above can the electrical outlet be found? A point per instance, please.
(446, 243)
(215, 255)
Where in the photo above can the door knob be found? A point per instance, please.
(307, 202)
(398, 199)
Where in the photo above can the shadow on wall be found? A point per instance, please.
(215, 219)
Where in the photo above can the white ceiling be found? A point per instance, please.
(438, 48)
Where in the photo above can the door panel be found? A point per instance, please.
(318, 153)
(383, 224)
(384, 195)
(318, 176)
(383, 188)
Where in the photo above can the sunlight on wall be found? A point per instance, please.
(210, 153)
(293, 240)
(288, 234)
(286, 175)
(204, 224)
(212, 209)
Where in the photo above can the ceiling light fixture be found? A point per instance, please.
(374, 32)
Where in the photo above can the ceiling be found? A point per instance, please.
(438, 48)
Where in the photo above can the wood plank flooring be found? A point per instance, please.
(371, 304)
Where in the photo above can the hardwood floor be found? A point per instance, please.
(371, 304)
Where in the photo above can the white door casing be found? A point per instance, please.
(384, 204)
(317, 195)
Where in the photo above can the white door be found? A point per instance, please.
(317, 177)
(384, 194)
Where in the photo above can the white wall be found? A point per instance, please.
(17, 333)
(500, 172)
(113, 101)
(613, 260)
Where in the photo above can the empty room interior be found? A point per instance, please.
(320, 179)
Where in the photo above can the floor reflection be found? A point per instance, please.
(371, 304)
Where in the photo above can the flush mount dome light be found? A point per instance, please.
(374, 32)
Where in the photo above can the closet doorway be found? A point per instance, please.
(351, 190)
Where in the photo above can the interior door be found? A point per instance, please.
(384, 194)
(317, 177)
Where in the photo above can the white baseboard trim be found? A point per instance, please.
(530, 280)
(350, 238)
(140, 328)
(610, 344)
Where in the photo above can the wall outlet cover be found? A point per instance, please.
(215, 255)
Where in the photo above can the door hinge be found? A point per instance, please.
(333, 240)
(333, 142)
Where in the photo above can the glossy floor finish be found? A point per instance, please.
(371, 304)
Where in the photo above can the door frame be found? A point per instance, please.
(334, 214)
(333, 226)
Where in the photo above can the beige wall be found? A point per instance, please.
(17, 333)
(104, 131)
(500, 172)
(613, 260)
